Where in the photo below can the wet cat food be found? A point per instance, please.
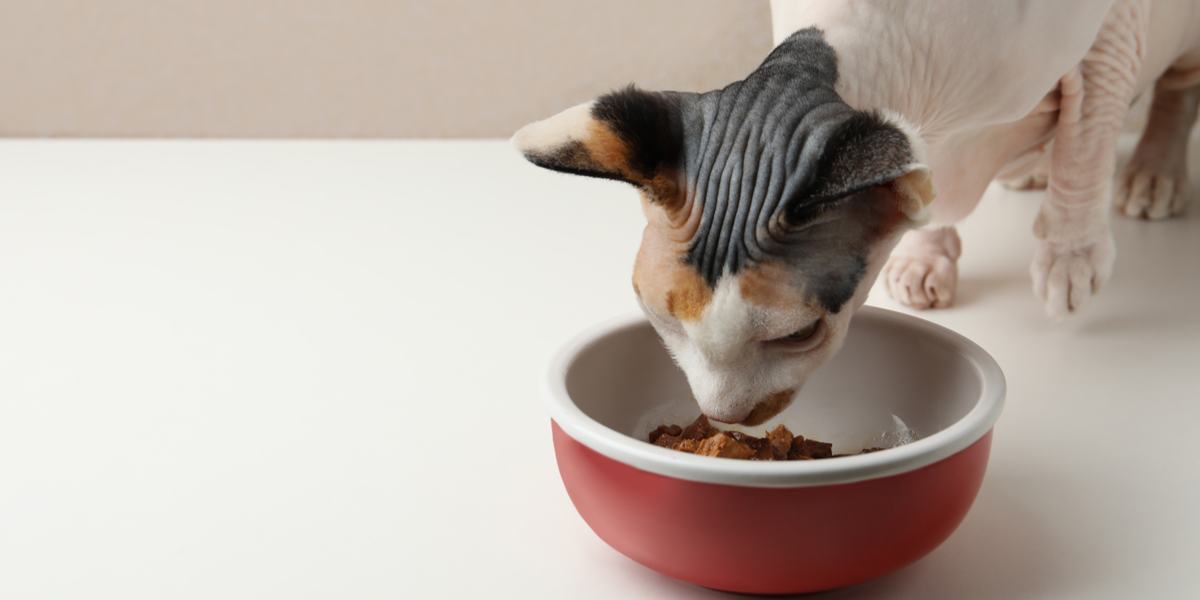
(700, 437)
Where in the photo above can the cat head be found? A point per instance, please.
(771, 206)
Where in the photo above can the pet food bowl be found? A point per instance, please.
(779, 527)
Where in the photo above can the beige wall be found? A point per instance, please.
(374, 68)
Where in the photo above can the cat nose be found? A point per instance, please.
(723, 405)
(717, 398)
(746, 411)
(724, 414)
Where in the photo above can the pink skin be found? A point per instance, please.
(1154, 183)
(1064, 71)
(1044, 91)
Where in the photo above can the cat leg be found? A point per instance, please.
(1075, 252)
(1154, 185)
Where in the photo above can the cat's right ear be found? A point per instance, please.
(630, 135)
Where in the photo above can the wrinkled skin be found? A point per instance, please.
(1036, 72)
(773, 204)
(735, 349)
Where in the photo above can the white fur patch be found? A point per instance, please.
(919, 148)
(546, 135)
(722, 355)
(911, 203)
(729, 367)
(718, 356)
(725, 322)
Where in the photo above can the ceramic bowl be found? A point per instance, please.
(779, 527)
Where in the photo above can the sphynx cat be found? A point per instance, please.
(775, 202)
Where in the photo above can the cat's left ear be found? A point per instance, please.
(630, 135)
(870, 150)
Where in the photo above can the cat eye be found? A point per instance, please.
(804, 338)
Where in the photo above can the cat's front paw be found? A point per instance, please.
(922, 271)
(1066, 274)
(921, 281)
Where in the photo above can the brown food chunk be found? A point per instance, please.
(780, 441)
(813, 448)
(754, 442)
(796, 450)
(661, 430)
(701, 438)
(724, 446)
(699, 429)
(665, 440)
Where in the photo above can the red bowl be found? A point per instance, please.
(783, 527)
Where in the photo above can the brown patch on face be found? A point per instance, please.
(664, 282)
(689, 294)
(664, 190)
(769, 407)
(766, 284)
(607, 149)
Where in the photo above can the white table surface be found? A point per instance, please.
(247, 370)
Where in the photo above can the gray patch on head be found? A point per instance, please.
(776, 163)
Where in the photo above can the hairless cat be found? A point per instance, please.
(774, 203)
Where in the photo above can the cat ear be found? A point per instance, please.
(630, 135)
(914, 189)
(867, 151)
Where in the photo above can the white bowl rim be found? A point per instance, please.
(670, 463)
